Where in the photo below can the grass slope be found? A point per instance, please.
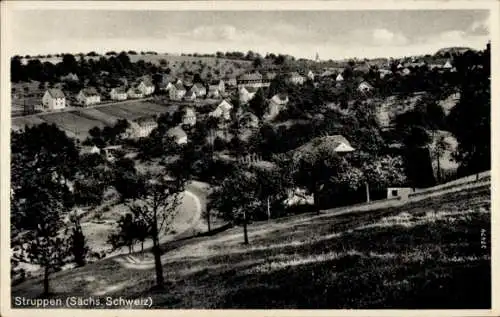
(422, 255)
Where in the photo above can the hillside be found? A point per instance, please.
(425, 254)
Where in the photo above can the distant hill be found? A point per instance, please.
(444, 52)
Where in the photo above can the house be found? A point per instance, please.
(135, 93)
(118, 93)
(54, 99)
(296, 79)
(199, 90)
(165, 86)
(276, 104)
(213, 92)
(90, 150)
(217, 85)
(141, 127)
(179, 136)
(336, 143)
(400, 66)
(406, 71)
(231, 81)
(189, 117)
(88, 96)
(177, 92)
(339, 77)
(364, 87)
(246, 94)
(310, 75)
(250, 80)
(190, 95)
(70, 77)
(146, 86)
(223, 110)
(447, 65)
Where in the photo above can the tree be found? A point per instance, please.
(156, 207)
(125, 235)
(383, 172)
(258, 103)
(440, 147)
(235, 199)
(77, 243)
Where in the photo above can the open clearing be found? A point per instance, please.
(424, 254)
(79, 121)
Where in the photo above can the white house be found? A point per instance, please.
(276, 104)
(189, 117)
(180, 137)
(146, 86)
(199, 90)
(398, 192)
(246, 94)
(177, 92)
(118, 93)
(88, 96)
(213, 92)
(54, 99)
(223, 110)
(447, 65)
(296, 78)
(141, 128)
(339, 77)
(217, 85)
(310, 75)
(135, 93)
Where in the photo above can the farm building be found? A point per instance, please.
(88, 96)
(54, 99)
(118, 93)
(223, 110)
(177, 92)
(180, 137)
(135, 93)
(247, 93)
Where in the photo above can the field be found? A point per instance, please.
(425, 254)
(78, 122)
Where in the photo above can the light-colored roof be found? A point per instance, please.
(336, 143)
(176, 132)
(250, 89)
(120, 90)
(280, 98)
(56, 93)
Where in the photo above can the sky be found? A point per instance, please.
(331, 34)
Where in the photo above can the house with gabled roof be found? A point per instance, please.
(54, 99)
(339, 77)
(189, 116)
(223, 110)
(146, 86)
(88, 96)
(246, 93)
(70, 77)
(135, 93)
(276, 104)
(118, 93)
(177, 92)
(336, 143)
(296, 78)
(199, 90)
(217, 84)
(310, 75)
(141, 127)
(190, 95)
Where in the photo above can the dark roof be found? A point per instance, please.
(90, 91)
(56, 93)
(190, 93)
(251, 76)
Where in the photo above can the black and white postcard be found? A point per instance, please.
(285, 158)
